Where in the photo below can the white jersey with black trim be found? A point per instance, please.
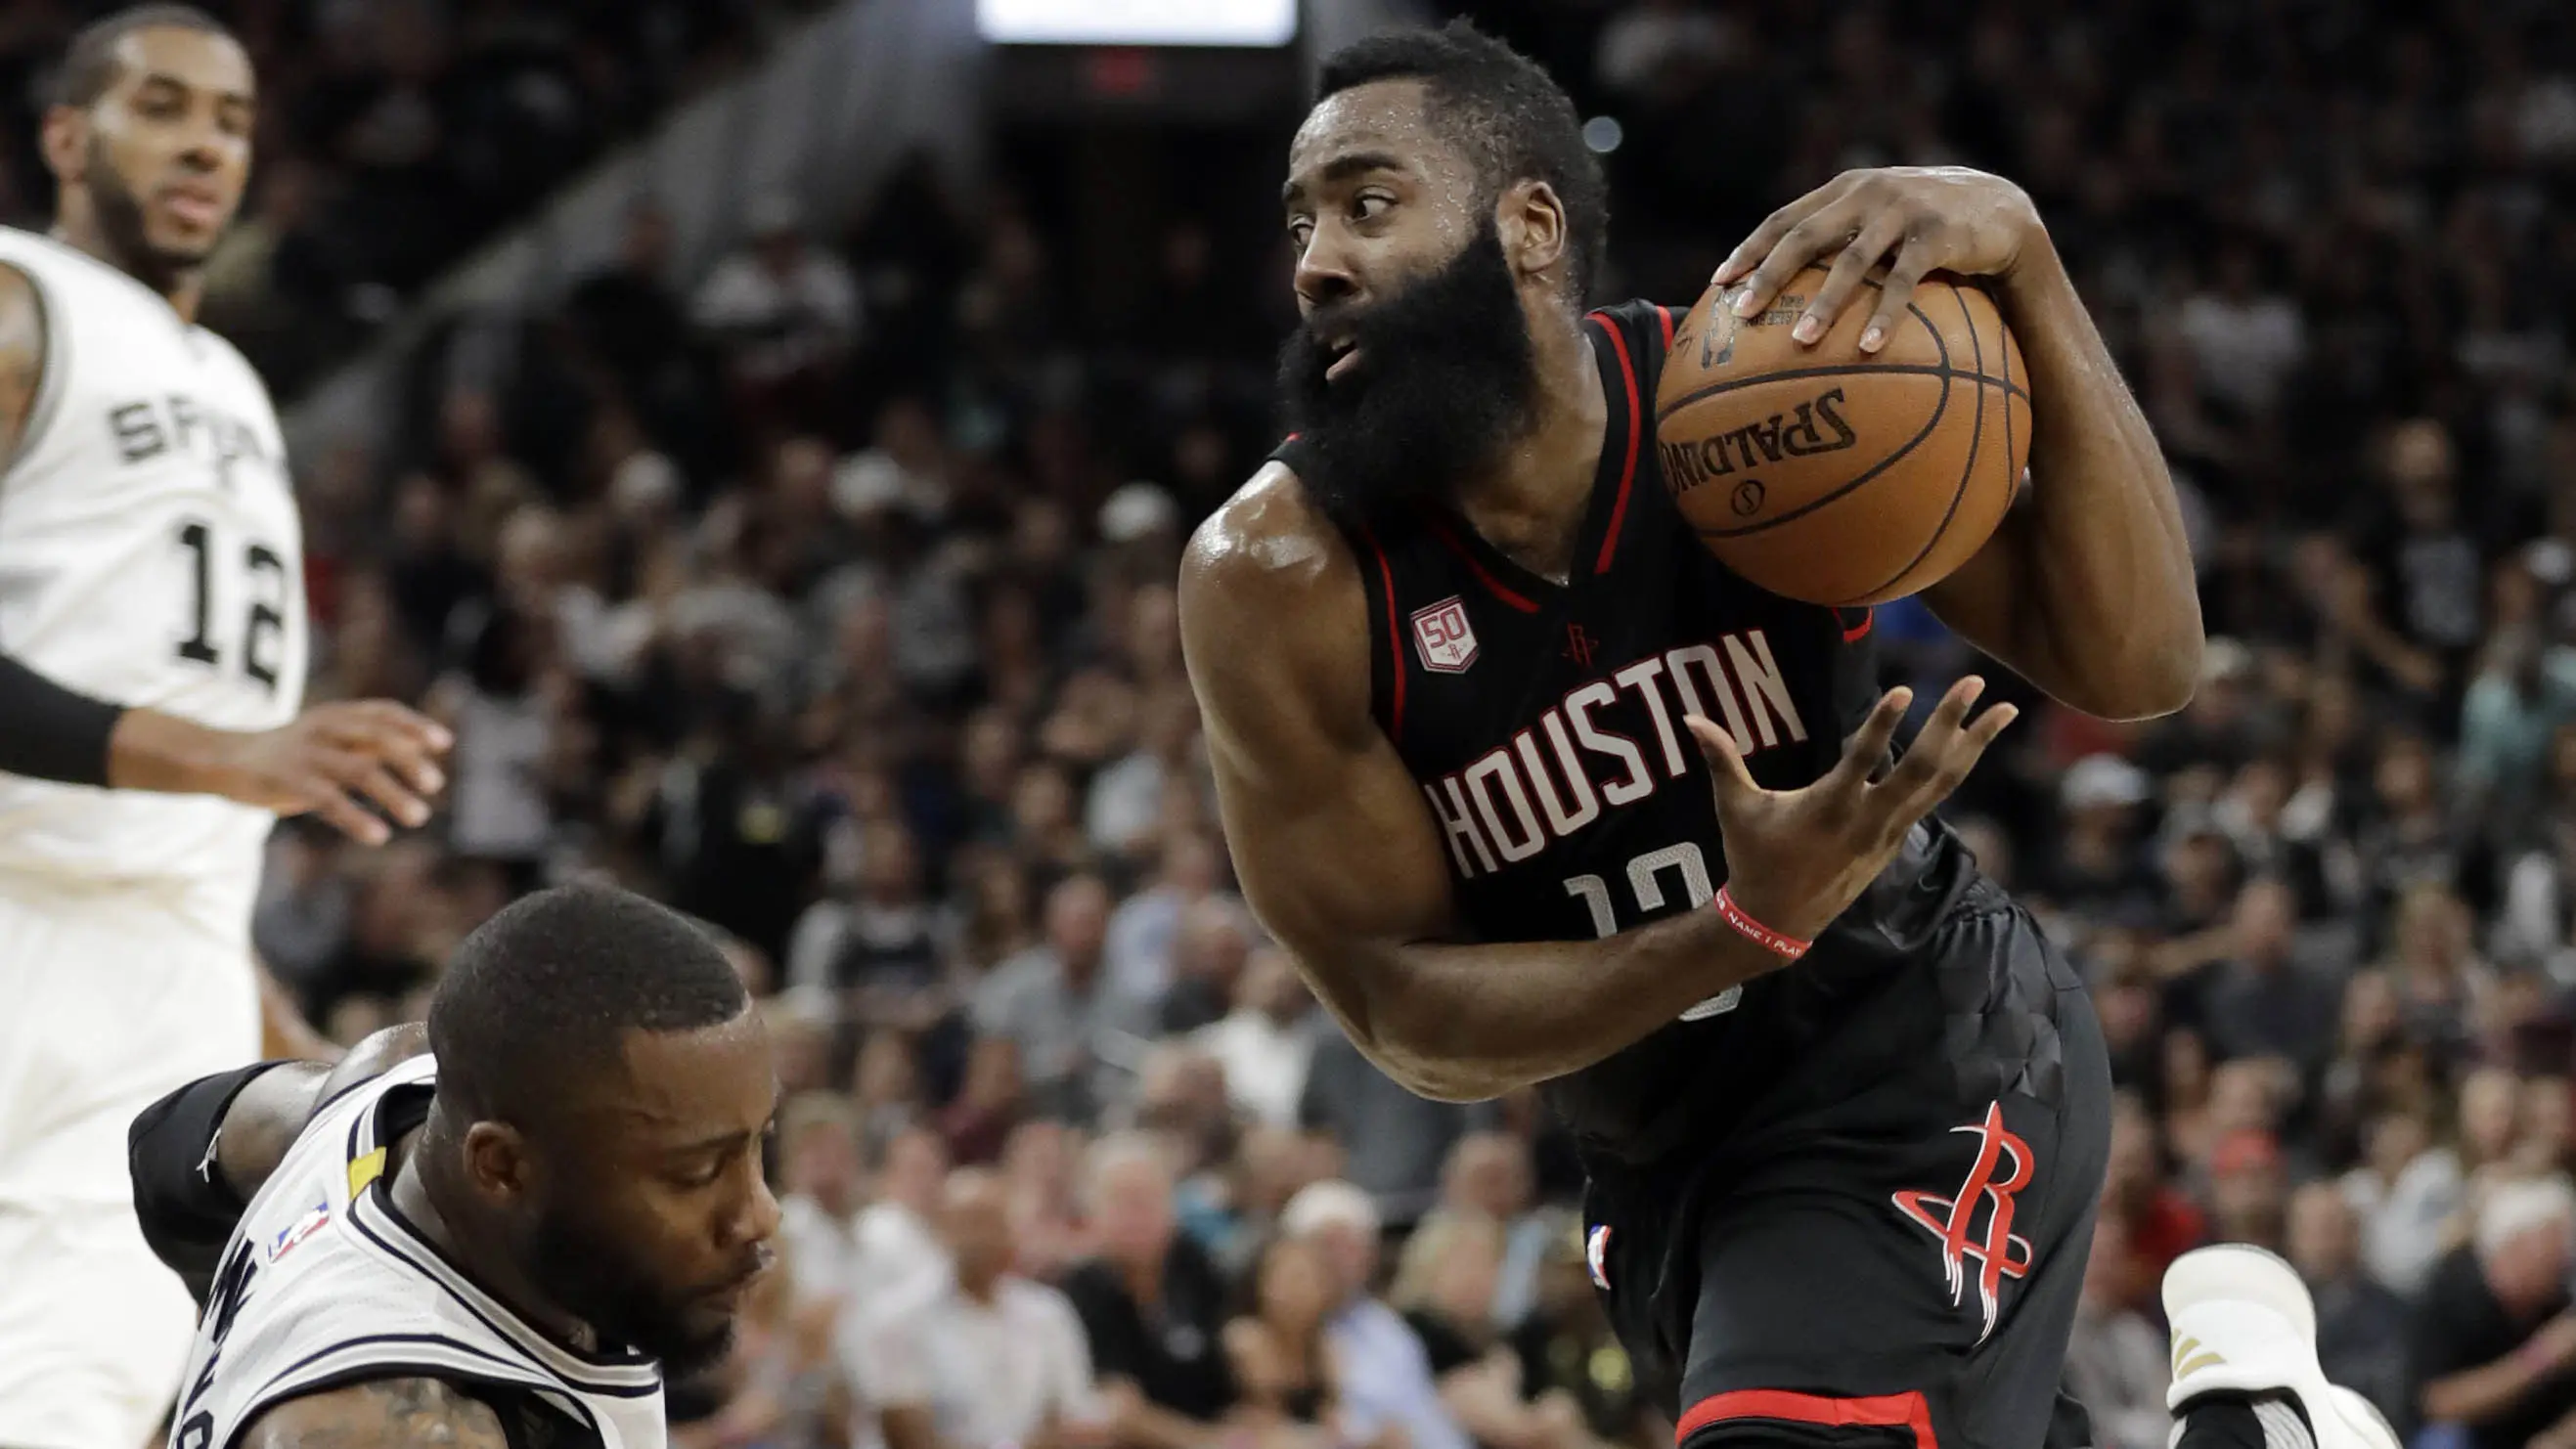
(325, 1284)
(150, 555)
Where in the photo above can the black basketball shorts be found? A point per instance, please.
(1896, 1266)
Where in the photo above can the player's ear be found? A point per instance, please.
(65, 141)
(1530, 221)
(497, 1161)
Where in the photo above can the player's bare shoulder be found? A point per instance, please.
(1268, 542)
(1271, 597)
(414, 1413)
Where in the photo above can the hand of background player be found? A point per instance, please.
(1933, 218)
(331, 757)
(1796, 858)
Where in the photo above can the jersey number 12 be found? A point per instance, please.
(1645, 883)
(263, 631)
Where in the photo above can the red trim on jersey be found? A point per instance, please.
(1394, 642)
(1887, 1411)
(1628, 469)
(1664, 315)
(1854, 633)
(1501, 590)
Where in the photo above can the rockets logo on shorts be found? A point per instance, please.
(2001, 1171)
(1443, 636)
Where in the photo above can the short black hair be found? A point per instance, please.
(1505, 111)
(548, 988)
(89, 62)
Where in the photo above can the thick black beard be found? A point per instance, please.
(586, 1274)
(119, 213)
(1446, 379)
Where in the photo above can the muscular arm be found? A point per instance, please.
(387, 1414)
(1339, 855)
(2087, 590)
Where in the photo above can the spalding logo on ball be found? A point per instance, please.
(1880, 473)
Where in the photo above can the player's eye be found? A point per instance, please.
(1300, 230)
(1370, 205)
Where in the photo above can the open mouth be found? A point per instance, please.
(1345, 353)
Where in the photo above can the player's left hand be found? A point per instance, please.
(1929, 218)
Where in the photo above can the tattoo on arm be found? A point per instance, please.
(415, 1413)
(22, 356)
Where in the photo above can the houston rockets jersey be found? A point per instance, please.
(1543, 723)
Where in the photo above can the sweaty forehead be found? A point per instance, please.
(1390, 119)
(680, 1086)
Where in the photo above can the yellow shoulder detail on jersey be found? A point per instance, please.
(364, 1170)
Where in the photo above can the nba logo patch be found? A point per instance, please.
(1443, 637)
(304, 1227)
(1596, 1252)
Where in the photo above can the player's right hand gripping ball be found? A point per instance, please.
(1835, 476)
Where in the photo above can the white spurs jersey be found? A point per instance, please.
(150, 554)
(325, 1284)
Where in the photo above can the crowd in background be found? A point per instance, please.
(395, 134)
(830, 597)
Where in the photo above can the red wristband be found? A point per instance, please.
(1778, 943)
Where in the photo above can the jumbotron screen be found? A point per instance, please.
(1137, 22)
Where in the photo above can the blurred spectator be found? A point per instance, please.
(1042, 1162)
(2361, 1326)
(1141, 930)
(2406, 1191)
(1280, 1354)
(1488, 1175)
(2261, 1002)
(2494, 1341)
(875, 942)
(1152, 1304)
(1267, 1041)
(783, 312)
(1208, 953)
(2097, 872)
(818, 1208)
(2249, 1189)
(988, 1357)
(2115, 1359)
(1444, 1287)
(1080, 1038)
(900, 1254)
(2160, 1221)
(1385, 1377)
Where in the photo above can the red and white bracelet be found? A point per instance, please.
(1778, 943)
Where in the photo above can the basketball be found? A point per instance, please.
(1836, 476)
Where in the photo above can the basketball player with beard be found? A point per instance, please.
(1844, 1111)
(506, 1241)
(153, 645)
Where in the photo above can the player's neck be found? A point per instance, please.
(417, 1197)
(183, 290)
(1531, 502)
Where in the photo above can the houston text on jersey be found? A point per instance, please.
(1507, 804)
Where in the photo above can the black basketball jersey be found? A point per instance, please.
(1543, 723)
